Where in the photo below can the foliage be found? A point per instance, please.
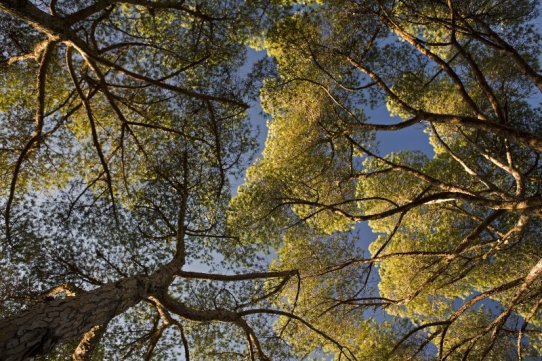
(457, 234)
(123, 124)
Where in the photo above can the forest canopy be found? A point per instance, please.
(124, 128)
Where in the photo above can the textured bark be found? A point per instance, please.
(37, 330)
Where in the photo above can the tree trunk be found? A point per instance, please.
(37, 330)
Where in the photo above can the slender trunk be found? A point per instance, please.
(37, 330)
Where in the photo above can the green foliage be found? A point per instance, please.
(321, 174)
(119, 147)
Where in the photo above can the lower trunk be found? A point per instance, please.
(35, 331)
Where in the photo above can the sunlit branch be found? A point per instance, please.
(501, 44)
(490, 185)
(518, 177)
(393, 25)
(89, 342)
(420, 115)
(526, 321)
(68, 289)
(167, 319)
(413, 332)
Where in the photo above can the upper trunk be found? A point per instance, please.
(35, 331)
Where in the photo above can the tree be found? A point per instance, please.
(457, 253)
(116, 162)
(122, 124)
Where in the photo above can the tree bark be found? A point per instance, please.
(37, 330)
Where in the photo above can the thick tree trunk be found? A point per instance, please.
(35, 331)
